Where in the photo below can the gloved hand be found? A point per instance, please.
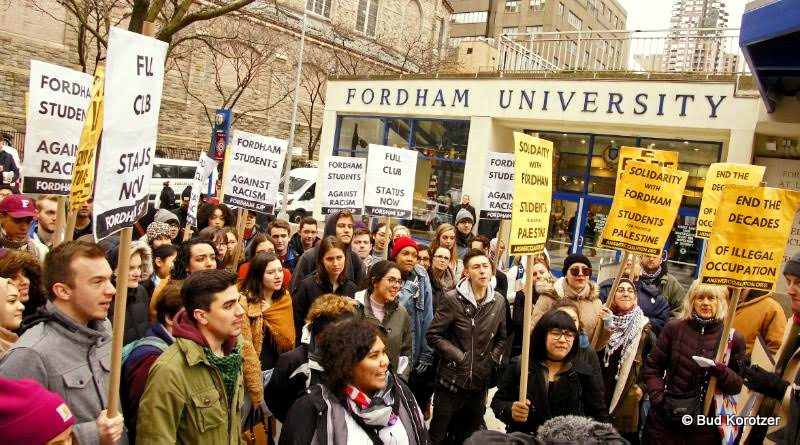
(258, 413)
(718, 369)
(768, 383)
(422, 368)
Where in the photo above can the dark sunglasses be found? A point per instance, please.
(576, 271)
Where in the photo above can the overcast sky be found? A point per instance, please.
(655, 14)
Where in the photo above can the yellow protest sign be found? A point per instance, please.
(533, 191)
(749, 236)
(83, 170)
(662, 158)
(719, 175)
(645, 204)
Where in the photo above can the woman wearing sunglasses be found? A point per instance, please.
(559, 383)
(628, 338)
(575, 285)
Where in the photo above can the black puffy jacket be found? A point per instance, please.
(470, 340)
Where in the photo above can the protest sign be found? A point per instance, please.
(253, 171)
(646, 202)
(134, 82)
(344, 184)
(533, 191)
(205, 165)
(719, 175)
(498, 186)
(83, 169)
(389, 189)
(749, 236)
(663, 158)
(53, 127)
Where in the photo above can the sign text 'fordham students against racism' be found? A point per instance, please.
(134, 83)
(344, 184)
(389, 188)
(498, 186)
(253, 171)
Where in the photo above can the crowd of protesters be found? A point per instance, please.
(342, 333)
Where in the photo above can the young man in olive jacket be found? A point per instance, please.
(469, 333)
(194, 392)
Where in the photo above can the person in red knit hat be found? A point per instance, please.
(32, 415)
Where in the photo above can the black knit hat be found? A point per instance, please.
(792, 266)
(575, 258)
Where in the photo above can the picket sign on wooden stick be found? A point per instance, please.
(723, 345)
(388, 221)
(120, 302)
(598, 327)
(58, 234)
(526, 329)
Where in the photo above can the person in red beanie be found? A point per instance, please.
(416, 296)
(16, 216)
(32, 415)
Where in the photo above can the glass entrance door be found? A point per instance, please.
(594, 215)
(561, 238)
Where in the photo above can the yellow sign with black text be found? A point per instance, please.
(646, 202)
(533, 192)
(719, 175)
(83, 169)
(749, 236)
(663, 158)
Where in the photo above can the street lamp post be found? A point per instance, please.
(284, 214)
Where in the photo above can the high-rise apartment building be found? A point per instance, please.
(477, 19)
(696, 41)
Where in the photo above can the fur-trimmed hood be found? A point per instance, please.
(556, 290)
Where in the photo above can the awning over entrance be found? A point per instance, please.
(770, 38)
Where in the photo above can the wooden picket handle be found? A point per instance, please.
(598, 327)
(723, 345)
(187, 232)
(72, 218)
(240, 222)
(58, 233)
(501, 236)
(387, 220)
(526, 330)
(120, 302)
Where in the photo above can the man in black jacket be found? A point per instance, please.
(340, 225)
(469, 333)
(8, 167)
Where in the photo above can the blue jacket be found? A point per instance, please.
(416, 296)
(654, 305)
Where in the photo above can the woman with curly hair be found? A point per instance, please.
(268, 329)
(215, 215)
(193, 255)
(362, 401)
(25, 272)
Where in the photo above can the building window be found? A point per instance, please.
(602, 9)
(560, 9)
(319, 7)
(534, 29)
(469, 17)
(455, 41)
(510, 30)
(367, 16)
(536, 5)
(574, 20)
(512, 5)
(356, 133)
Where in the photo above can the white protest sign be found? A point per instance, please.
(498, 186)
(134, 81)
(344, 184)
(205, 165)
(253, 172)
(389, 189)
(57, 99)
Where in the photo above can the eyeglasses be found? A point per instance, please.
(393, 281)
(626, 290)
(577, 271)
(557, 334)
(442, 257)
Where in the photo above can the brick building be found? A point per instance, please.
(254, 67)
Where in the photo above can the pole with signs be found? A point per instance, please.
(134, 82)
(530, 218)
(54, 122)
(749, 235)
(344, 185)
(83, 168)
(252, 172)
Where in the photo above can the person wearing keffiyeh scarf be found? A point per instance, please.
(628, 338)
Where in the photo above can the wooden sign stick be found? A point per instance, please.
(723, 345)
(72, 218)
(58, 234)
(120, 302)
(526, 330)
(387, 220)
(598, 327)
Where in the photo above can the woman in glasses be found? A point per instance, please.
(575, 285)
(678, 370)
(559, 384)
(378, 304)
(628, 338)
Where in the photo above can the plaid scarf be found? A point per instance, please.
(624, 329)
(229, 366)
(377, 411)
